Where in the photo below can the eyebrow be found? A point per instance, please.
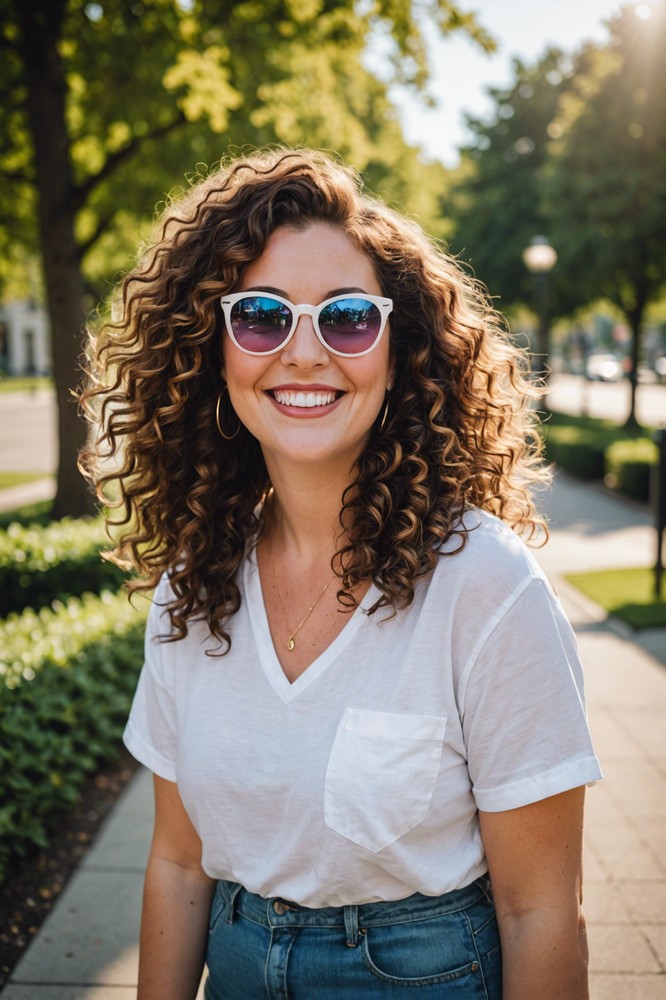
(328, 295)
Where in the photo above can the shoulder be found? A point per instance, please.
(163, 597)
(492, 552)
(161, 639)
(476, 585)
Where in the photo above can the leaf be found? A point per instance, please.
(204, 76)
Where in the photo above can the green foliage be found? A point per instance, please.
(155, 87)
(34, 513)
(607, 183)
(581, 456)
(629, 466)
(598, 449)
(497, 204)
(575, 150)
(39, 564)
(608, 176)
(66, 683)
(58, 635)
(104, 107)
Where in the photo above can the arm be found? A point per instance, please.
(176, 904)
(535, 863)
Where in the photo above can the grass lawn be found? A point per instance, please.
(626, 593)
(19, 383)
(10, 479)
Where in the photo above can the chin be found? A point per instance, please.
(309, 454)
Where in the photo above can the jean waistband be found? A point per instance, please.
(277, 912)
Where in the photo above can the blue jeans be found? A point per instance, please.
(437, 946)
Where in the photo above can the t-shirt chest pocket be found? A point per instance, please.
(381, 774)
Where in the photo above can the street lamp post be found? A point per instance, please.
(540, 258)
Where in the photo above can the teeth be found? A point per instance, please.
(305, 399)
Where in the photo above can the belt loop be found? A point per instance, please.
(231, 909)
(351, 925)
(484, 885)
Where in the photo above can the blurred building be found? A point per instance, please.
(25, 340)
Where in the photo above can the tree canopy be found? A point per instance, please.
(498, 204)
(576, 150)
(105, 105)
(606, 185)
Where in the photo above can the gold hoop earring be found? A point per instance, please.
(385, 413)
(227, 437)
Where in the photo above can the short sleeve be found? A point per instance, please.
(150, 733)
(523, 710)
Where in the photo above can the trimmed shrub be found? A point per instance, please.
(34, 513)
(629, 467)
(597, 449)
(67, 677)
(582, 459)
(61, 560)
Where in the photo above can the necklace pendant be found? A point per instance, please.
(291, 643)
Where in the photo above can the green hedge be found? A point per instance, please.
(598, 449)
(629, 466)
(33, 513)
(62, 559)
(582, 459)
(66, 681)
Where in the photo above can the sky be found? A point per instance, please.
(461, 70)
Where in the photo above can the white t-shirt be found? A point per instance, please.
(361, 781)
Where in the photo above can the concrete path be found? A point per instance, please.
(87, 948)
(27, 493)
(625, 843)
(28, 439)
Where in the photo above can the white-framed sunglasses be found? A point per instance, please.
(349, 325)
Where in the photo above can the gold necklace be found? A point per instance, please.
(291, 640)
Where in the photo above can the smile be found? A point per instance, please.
(306, 400)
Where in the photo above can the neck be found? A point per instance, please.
(305, 510)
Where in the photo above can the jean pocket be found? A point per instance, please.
(381, 774)
(425, 953)
(218, 906)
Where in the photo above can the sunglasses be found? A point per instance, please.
(347, 325)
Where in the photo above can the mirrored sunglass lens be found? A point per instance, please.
(350, 325)
(260, 323)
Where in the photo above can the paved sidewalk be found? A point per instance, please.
(87, 948)
(625, 844)
(27, 493)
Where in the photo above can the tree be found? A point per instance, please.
(607, 182)
(105, 103)
(497, 205)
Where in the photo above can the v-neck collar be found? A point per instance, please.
(256, 610)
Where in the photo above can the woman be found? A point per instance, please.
(361, 701)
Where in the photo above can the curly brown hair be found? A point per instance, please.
(459, 431)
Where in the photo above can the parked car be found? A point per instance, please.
(604, 368)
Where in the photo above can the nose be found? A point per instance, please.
(305, 350)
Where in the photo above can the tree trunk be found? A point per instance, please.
(635, 318)
(40, 33)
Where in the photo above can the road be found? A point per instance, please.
(608, 400)
(28, 436)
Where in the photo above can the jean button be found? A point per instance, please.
(279, 907)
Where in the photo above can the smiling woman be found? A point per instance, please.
(360, 699)
(309, 381)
